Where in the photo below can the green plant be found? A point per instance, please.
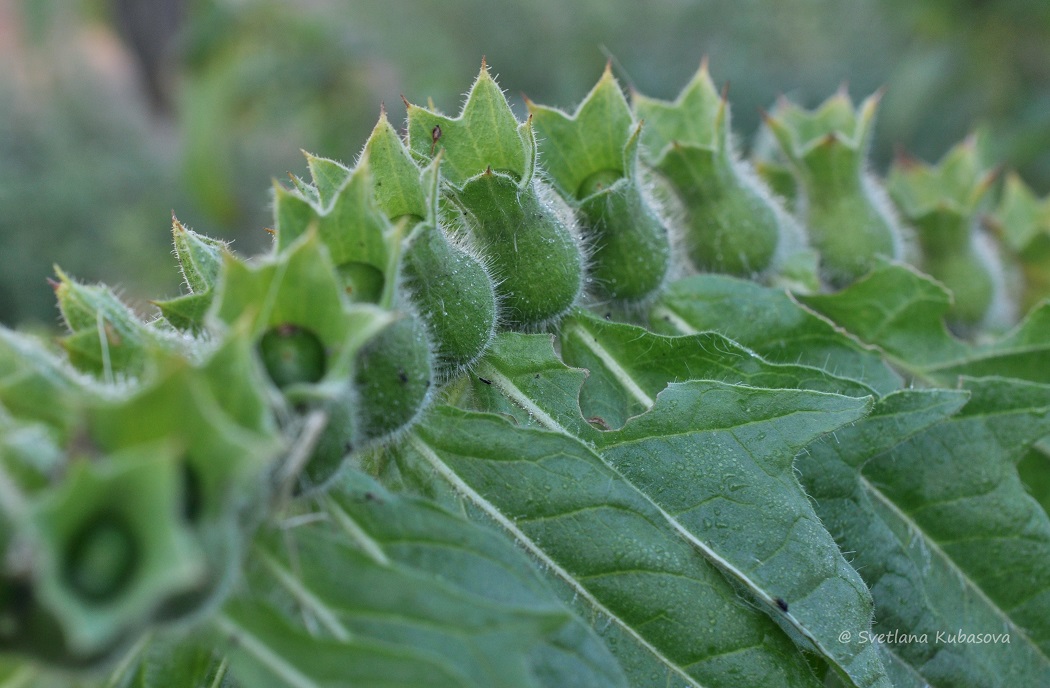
(414, 445)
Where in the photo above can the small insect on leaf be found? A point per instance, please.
(782, 604)
(435, 136)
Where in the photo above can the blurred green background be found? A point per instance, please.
(114, 113)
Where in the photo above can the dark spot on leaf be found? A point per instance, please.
(782, 604)
(487, 382)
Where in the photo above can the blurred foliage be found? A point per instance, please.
(82, 185)
(88, 175)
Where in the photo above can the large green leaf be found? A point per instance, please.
(902, 311)
(668, 614)
(718, 498)
(628, 366)
(942, 530)
(770, 322)
(373, 589)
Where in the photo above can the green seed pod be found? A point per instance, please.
(943, 203)
(328, 445)
(454, 295)
(393, 378)
(592, 158)
(449, 287)
(292, 355)
(732, 224)
(333, 446)
(849, 219)
(520, 226)
(631, 251)
(529, 247)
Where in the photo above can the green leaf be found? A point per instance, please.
(943, 531)
(169, 660)
(667, 613)
(485, 135)
(725, 474)
(771, 323)
(901, 312)
(435, 600)
(268, 651)
(628, 366)
(654, 455)
(1034, 470)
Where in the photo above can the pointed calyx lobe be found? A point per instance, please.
(515, 222)
(592, 157)
(450, 287)
(359, 237)
(1022, 221)
(486, 135)
(849, 220)
(200, 260)
(731, 222)
(942, 203)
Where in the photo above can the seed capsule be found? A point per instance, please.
(454, 295)
(845, 210)
(731, 223)
(533, 252)
(393, 378)
(631, 252)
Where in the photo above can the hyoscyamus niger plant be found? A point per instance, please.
(570, 401)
